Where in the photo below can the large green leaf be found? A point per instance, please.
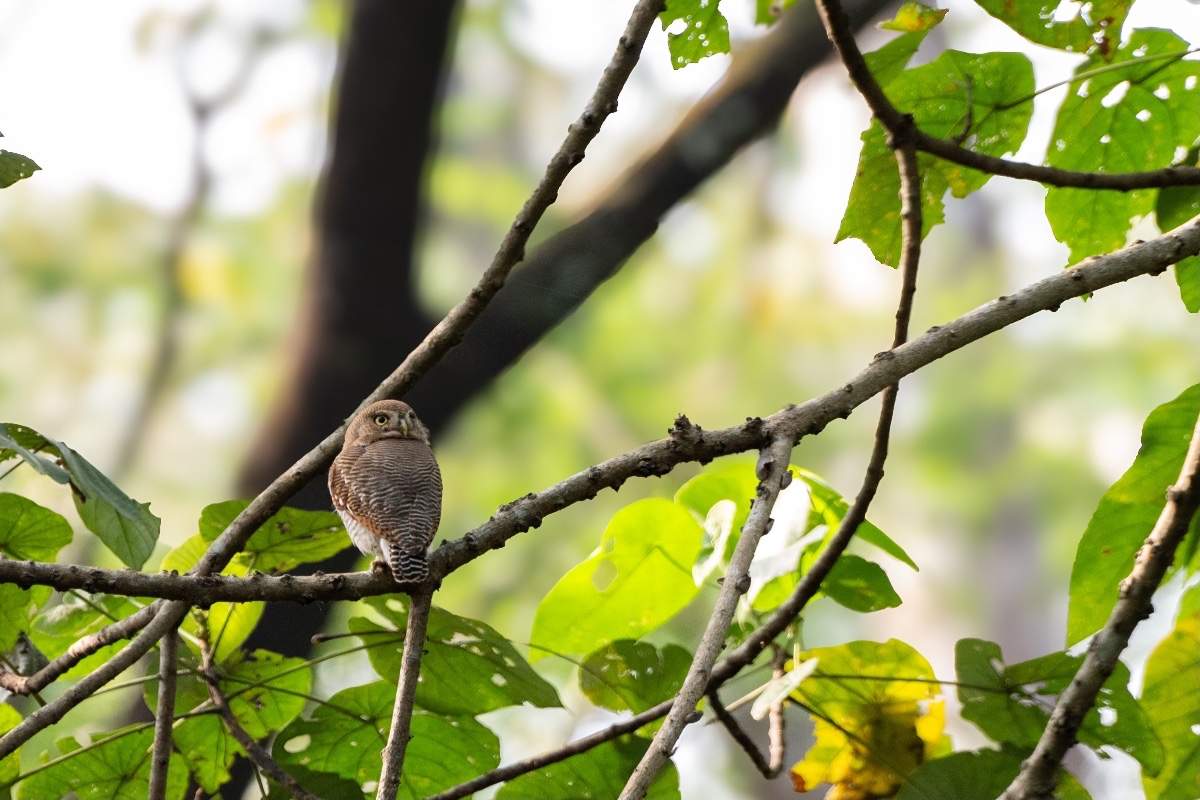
(125, 526)
(1120, 121)
(10, 765)
(626, 674)
(229, 624)
(702, 30)
(15, 606)
(468, 667)
(76, 616)
(638, 578)
(1011, 703)
(1175, 206)
(116, 768)
(346, 735)
(859, 585)
(1172, 703)
(322, 784)
(976, 99)
(829, 507)
(1091, 25)
(29, 532)
(598, 774)
(1127, 512)
(288, 538)
(15, 167)
(978, 775)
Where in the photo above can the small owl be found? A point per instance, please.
(387, 488)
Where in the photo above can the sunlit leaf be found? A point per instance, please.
(914, 17)
(1127, 512)
(695, 29)
(1011, 703)
(1175, 206)
(859, 585)
(229, 624)
(1172, 703)
(10, 765)
(117, 768)
(1120, 121)
(598, 774)
(777, 689)
(468, 667)
(1096, 24)
(288, 538)
(638, 578)
(346, 736)
(633, 675)
(961, 96)
(830, 507)
(889, 61)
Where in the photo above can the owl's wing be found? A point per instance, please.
(395, 486)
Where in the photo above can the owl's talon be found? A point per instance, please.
(380, 567)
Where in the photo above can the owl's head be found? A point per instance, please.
(386, 419)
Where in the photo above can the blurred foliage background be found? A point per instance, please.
(738, 306)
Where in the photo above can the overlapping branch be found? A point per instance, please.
(406, 692)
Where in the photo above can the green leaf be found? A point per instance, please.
(29, 532)
(859, 585)
(889, 61)
(633, 675)
(598, 774)
(15, 604)
(116, 767)
(830, 507)
(1127, 512)
(1120, 121)
(125, 526)
(77, 616)
(468, 667)
(978, 775)
(10, 765)
(288, 538)
(322, 784)
(1009, 703)
(695, 29)
(766, 12)
(15, 167)
(229, 624)
(638, 578)
(1172, 703)
(345, 737)
(1176, 205)
(914, 17)
(1094, 25)
(962, 96)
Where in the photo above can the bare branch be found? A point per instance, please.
(406, 690)
(164, 716)
(1039, 772)
(774, 475)
(769, 766)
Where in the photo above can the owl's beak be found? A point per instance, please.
(404, 429)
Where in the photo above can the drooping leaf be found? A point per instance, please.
(1175, 206)
(288, 538)
(877, 715)
(10, 765)
(1172, 703)
(346, 735)
(627, 674)
(1010, 703)
(859, 585)
(638, 578)
(126, 527)
(1127, 512)
(914, 17)
(1120, 121)
(978, 775)
(1094, 25)
(695, 29)
(15, 167)
(78, 615)
(970, 98)
(30, 532)
(468, 667)
(598, 774)
(229, 624)
(115, 768)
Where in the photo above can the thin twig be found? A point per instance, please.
(164, 716)
(261, 758)
(1039, 772)
(406, 692)
(774, 475)
(768, 766)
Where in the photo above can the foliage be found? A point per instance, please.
(1173, 665)
(598, 774)
(14, 167)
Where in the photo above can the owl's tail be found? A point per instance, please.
(408, 566)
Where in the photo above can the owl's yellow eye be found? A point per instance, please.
(381, 420)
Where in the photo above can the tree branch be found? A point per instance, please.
(769, 766)
(1039, 772)
(406, 690)
(774, 475)
(164, 717)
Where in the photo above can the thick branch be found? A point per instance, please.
(164, 717)
(774, 475)
(1038, 773)
(406, 691)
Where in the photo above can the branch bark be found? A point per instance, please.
(164, 717)
(1039, 772)
(406, 691)
(769, 766)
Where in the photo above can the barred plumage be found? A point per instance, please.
(386, 486)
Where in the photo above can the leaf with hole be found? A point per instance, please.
(630, 675)
(1094, 25)
(696, 29)
(289, 537)
(114, 766)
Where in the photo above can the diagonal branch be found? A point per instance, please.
(406, 692)
(770, 765)
(1038, 773)
(774, 474)
(164, 716)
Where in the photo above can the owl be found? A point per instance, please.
(386, 486)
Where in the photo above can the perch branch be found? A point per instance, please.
(164, 716)
(1039, 772)
(406, 691)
